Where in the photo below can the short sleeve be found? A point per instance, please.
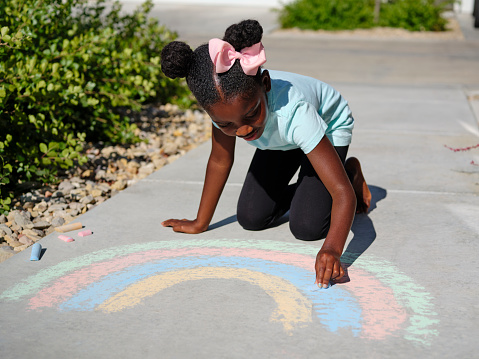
(306, 128)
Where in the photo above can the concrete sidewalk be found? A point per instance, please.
(137, 290)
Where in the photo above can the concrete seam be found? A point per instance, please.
(405, 191)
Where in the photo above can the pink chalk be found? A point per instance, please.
(65, 238)
(85, 233)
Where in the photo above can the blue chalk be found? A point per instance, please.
(36, 251)
(315, 287)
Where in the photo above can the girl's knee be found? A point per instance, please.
(250, 221)
(309, 231)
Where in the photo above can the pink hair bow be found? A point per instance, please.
(224, 55)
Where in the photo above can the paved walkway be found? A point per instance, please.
(136, 290)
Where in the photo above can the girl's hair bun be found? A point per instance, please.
(176, 59)
(244, 34)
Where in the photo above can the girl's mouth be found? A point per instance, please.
(251, 136)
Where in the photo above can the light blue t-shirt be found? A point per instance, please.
(301, 110)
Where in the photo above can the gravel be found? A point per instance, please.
(166, 131)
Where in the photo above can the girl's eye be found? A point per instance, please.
(223, 125)
(254, 113)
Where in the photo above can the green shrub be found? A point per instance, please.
(328, 14)
(66, 69)
(415, 15)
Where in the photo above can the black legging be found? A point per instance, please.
(267, 194)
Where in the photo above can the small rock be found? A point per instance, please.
(59, 200)
(21, 248)
(57, 207)
(21, 219)
(133, 167)
(96, 193)
(89, 186)
(16, 228)
(88, 200)
(177, 133)
(11, 216)
(25, 240)
(73, 212)
(14, 244)
(33, 232)
(86, 174)
(3, 219)
(99, 200)
(147, 170)
(76, 181)
(6, 229)
(107, 151)
(78, 193)
(48, 194)
(33, 237)
(119, 185)
(104, 187)
(76, 205)
(170, 148)
(61, 214)
(66, 187)
(132, 182)
(41, 207)
(28, 205)
(8, 249)
(58, 221)
(193, 129)
(100, 174)
(58, 194)
(159, 162)
(41, 225)
(9, 238)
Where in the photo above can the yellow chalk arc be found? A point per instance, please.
(293, 308)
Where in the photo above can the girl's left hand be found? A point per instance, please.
(328, 267)
(184, 225)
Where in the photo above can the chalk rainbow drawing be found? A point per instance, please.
(377, 303)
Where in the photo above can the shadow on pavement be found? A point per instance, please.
(223, 222)
(364, 233)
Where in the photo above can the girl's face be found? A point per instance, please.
(244, 118)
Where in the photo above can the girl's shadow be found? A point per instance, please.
(364, 234)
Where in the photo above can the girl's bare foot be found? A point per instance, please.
(363, 194)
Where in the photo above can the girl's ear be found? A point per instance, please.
(266, 80)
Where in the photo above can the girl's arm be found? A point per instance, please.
(217, 172)
(330, 170)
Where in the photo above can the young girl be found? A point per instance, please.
(295, 122)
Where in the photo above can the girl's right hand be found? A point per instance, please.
(184, 225)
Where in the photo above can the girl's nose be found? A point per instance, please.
(244, 131)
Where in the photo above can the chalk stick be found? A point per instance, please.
(65, 238)
(85, 233)
(68, 227)
(36, 251)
